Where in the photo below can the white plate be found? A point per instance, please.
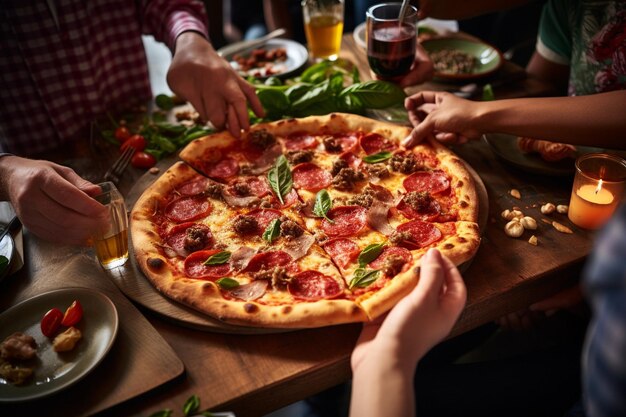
(7, 247)
(56, 371)
(297, 57)
(439, 26)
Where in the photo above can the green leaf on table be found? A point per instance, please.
(315, 72)
(227, 283)
(4, 264)
(162, 143)
(170, 128)
(163, 101)
(218, 259)
(356, 78)
(296, 91)
(362, 277)
(279, 177)
(377, 157)
(323, 203)
(274, 102)
(192, 405)
(488, 94)
(370, 253)
(376, 94)
(318, 93)
(272, 231)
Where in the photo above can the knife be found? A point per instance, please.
(242, 46)
(15, 222)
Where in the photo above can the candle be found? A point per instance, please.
(591, 206)
(597, 190)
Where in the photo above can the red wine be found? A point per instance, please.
(391, 50)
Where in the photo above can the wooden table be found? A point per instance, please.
(254, 374)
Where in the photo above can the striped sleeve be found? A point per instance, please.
(167, 19)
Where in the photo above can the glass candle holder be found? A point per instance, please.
(111, 243)
(598, 189)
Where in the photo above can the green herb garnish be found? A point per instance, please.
(272, 231)
(377, 157)
(227, 283)
(323, 203)
(192, 405)
(218, 259)
(362, 278)
(163, 101)
(280, 178)
(370, 253)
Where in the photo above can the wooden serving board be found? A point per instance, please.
(139, 360)
(132, 282)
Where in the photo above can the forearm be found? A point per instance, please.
(5, 173)
(383, 386)
(594, 120)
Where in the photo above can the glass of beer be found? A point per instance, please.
(323, 25)
(391, 43)
(111, 242)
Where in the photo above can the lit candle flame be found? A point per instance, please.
(599, 187)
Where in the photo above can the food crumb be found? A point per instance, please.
(67, 340)
(154, 170)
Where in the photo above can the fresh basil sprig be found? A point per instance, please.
(192, 405)
(370, 253)
(362, 278)
(218, 259)
(323, 203)
(227, 283)
(272, 231)
(279, 177)
(377, 157)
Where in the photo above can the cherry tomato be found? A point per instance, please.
(143, 160)
(122, 134)
(73, 314)
(51, 322)
(135, 141)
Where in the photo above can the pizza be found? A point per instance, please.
(303, 222)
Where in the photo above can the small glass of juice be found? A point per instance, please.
(323, 26)
(111, 243)
(391, 43)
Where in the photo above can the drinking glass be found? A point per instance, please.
(323, 26)
(111, 243)
(391, 44)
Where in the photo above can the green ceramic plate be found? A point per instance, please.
(489, 59)
(56, 371)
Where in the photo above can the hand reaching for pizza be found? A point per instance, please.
(444, 116)
(52, 201)
(207, 81)
(418, 322)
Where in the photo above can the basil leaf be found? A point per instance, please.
(363, 278)
(192, 405)
(296, 91)
(280, 179)
(274, 102)
(272, 231)
(377, 157)
(163, 101)
(376, 94)
(488, 94)
(315, 71)
(323, 203)
(4, 264)
(227, 283)
(218, 259)
(370, 253)
(318, 93)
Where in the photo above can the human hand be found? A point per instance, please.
(199, 75)
(421, 70)
(420, 320)
(441, 115)
(52, 201)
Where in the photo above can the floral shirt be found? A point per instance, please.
(590, 37)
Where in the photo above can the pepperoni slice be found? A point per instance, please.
(225, 168)
(186, 209)
(195, 268)
(429, 213)
(343, 251)
(373, 143)
(341, 143)
(178, 235)
(347, 221)
(310, 177)
(268, 260)
(257, 186)
(264, 217)
(300, 141)
(351, 159)
(193, 187)
(420, 233)
(313, 285)
(290, 199)
(403, 253)
(431, 181)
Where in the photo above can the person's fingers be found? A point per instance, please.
(217, 112)
(431, 275)
(419, 132)
(253, 99)
(447, 137)
(421, 98)
(201, 107)
(233, 123)
(67, 195)
(455, 286)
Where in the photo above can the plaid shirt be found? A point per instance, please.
(65, 62)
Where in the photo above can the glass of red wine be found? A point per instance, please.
(391, 42)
